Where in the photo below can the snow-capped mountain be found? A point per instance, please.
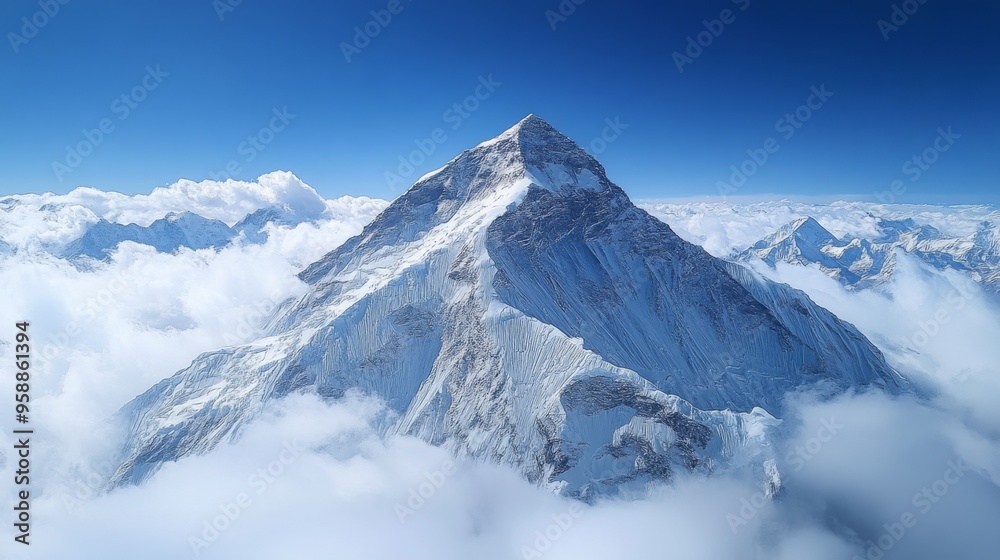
(859, 262)
(253, 225)
(173, 231)
(515, 306)
(306, 206)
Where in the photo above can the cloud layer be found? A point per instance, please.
(864, 475)
(65, 217)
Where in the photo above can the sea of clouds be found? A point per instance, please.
(864, 475)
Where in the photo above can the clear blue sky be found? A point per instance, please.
(353, 120)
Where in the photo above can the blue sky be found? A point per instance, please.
(202, 78)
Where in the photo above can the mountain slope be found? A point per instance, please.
(515, 306)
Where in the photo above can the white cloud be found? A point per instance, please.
(67, 216)
(339, 494)
(314, 478)
(938, 327)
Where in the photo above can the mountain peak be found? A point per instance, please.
(531, 124)
(534, 134)
(807, 222)
(545, 156)
(808, 229)
(530, 152)
(483, 181)
(532, 119)
(803, 238)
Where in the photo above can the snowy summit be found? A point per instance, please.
(515, 306)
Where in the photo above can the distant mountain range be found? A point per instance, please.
(860, 263)
(166, 235)
(88, 225)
